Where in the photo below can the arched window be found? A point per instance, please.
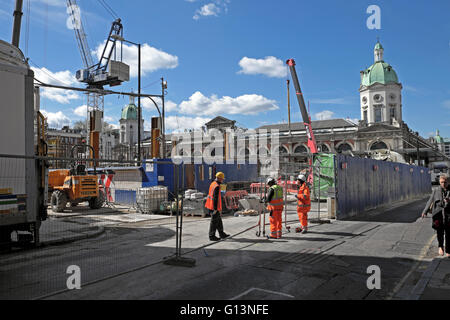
(344, 147)
(300, 149)
(282, 150)
(324, 148)
(379, 145)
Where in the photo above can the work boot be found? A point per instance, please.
(305, 230)
(214, 238)
(224, 235)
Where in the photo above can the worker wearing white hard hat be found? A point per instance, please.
(303, 204)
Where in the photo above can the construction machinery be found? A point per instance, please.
(301, 102)
(306, 118)
(74, 186)
(96, 75)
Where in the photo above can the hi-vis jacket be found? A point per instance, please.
(210, 199)
(303, 199)
(276, 203)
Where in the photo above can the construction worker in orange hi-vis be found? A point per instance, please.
(275, 206)
(214, 204)
(303, 204)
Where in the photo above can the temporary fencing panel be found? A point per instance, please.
(364, 184)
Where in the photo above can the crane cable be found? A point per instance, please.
(108, 9)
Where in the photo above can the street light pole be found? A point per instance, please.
(163, 126)
(139, 103)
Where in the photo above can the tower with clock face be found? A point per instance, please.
(380, 92)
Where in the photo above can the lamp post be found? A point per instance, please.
(164, 86)
(117, 37)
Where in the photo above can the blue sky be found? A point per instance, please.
(213, 53)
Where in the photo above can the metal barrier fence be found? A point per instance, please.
(137, 192)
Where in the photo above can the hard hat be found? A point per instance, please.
(270, 180)
(301, 177)
(220, 175)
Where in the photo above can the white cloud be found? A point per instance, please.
(152, 59)
(324, 115)
(211, 9)
(56, 119)
(269, 66)
(169, 105)
(247, 104)
(81, 111)
(109, 119)
(179, 124)
(61, 78)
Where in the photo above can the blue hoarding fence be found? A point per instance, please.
(364, 184)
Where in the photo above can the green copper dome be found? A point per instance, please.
(438, 138)
(130, 112)
(378, 46)
(380, 72)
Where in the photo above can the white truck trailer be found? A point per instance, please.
(22, 176)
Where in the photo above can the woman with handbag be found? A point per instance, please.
(439, 203)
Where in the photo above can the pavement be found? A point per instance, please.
(81, 222)
(127, 249)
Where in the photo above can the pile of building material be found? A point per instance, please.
(246, 213)
(193, 204)
(149, 200)
(193, 195)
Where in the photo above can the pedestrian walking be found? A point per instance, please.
(274, 199)
(439, 204)
(214, 205)
(303, 204)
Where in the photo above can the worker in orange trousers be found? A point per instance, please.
(303, 204)
(275, 207)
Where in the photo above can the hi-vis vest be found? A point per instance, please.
(304, 199)
(210, 199)
(276, 204)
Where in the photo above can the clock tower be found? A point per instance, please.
(380, 92)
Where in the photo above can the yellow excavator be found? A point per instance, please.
(74, 186)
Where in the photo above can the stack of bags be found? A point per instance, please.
(191, 194)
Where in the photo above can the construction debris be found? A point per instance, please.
(246, 213)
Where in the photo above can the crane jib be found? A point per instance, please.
(306, 119)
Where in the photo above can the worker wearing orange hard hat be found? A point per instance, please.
(214, 205)
(303, 204)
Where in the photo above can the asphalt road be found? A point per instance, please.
(330, 262)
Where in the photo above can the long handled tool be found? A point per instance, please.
(258, 233)
(264, 209)
(288, 228)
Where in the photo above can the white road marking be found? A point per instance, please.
(263, 290)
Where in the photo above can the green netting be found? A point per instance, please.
(323, 175)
